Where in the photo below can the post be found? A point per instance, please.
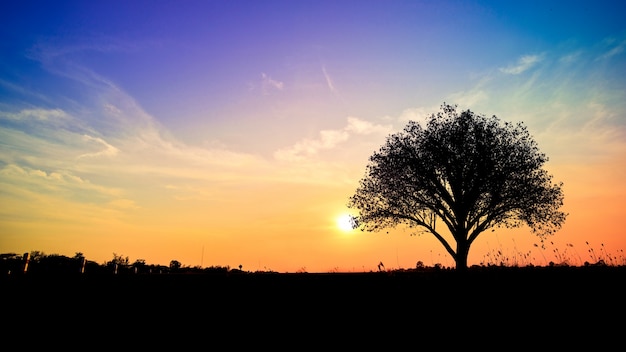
(26, 261)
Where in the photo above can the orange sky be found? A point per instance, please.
(291, 228)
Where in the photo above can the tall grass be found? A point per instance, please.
(547, 253)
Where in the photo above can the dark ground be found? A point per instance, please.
(489, 308)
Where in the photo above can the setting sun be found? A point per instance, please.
(345, 222)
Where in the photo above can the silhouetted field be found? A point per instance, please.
(580, 303)
(406, 290)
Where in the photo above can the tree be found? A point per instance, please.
(175, 265)
(470, 172)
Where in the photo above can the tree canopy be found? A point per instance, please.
(466, 170)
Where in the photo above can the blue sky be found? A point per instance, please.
(243, 126)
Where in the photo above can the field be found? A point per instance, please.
(549, 304)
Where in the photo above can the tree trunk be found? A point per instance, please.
(462, 252)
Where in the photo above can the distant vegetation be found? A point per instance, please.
(37, 262)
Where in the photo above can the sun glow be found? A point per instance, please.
(345, 222)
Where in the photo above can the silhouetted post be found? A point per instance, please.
(26, 261)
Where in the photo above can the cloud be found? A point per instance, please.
(61, 182)
(329, 81)
(329, 139)
(418, 114)
(58, 197)
(268, 84)
(108, 143)
(469, 98)
(572, 105)
(52, 48)
(23, 91)
(108, 150)
(36, 114)
(362, 127)
(117, 125)
(40, 137)
(571, 57)
(616, 49)
(523, 64)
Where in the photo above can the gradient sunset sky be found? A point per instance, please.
(227, 133)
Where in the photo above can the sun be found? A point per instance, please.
(345, 222)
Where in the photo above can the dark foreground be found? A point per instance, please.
(556, 307)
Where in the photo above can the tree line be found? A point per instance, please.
(37, 262)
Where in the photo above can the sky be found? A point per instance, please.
(228, 133)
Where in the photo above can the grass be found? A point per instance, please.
(547, 253)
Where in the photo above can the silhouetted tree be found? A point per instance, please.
(11, 263)
(466, 170)
(120, 260)
(139, 266)
(118, 263)
(175, 265)
(37, 255)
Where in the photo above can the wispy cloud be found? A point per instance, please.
(51, 49)
(614, 48)
(47, 138)
(61, 182)
(35, 114)
(470, 98)
(419, 114)
(50, 198)
(268, 84)
(570, 57)
(523, 64)
(329, 139)
(24, 91)
(574, 107)
(329, 81)
(362, 127)
(105, 149)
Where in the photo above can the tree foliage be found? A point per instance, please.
(464, 170)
